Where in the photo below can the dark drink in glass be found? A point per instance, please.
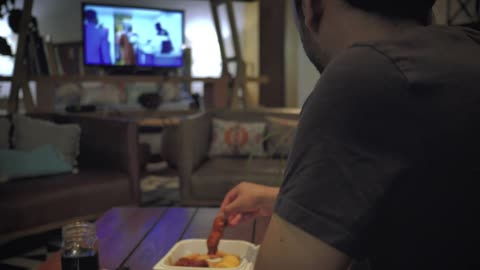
(79, 250)
(82, 261)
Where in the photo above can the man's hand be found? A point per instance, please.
(247, 201)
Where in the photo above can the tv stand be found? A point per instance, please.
(135, 71)
(219, 87)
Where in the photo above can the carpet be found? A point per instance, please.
(160, 190)
(29, 252)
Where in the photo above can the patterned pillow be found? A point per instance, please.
(237, 139)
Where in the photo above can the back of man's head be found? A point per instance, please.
(416, 10)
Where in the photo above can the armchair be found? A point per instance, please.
(204, 180)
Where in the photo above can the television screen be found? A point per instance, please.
(131, 36)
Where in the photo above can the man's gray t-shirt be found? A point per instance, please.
(386, 160)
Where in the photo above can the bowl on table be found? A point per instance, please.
(246, 252)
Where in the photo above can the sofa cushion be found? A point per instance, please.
(231, 138)
(31, 133)
(217, 176)
(27, 203)
(41, 161)
(4, 133)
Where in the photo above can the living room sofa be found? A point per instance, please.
(108, 176)
(204, 180)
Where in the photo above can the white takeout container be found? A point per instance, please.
(245, 250)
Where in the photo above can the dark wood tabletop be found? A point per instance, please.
(140, 237)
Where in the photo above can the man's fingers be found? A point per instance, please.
(233, 207)
(229, 198)
(234, 220)
(247, 218)
(237, 218)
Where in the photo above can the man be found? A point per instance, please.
(96, 40)
(127, 41)
(385, 161)
(163, 39)
(157, 46)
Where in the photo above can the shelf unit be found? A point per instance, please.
(215, 88)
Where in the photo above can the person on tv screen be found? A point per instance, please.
(97, 46)
(166, 45)
(147, 56)
(127, 40)
(156, 47)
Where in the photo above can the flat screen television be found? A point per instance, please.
(124, 36)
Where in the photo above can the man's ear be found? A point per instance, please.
(312, 10)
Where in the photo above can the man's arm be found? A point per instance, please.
(288, 247)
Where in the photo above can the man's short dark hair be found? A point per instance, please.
(417, 10)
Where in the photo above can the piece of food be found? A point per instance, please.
(219, 225)
(228, 261)
(204, 261)
(192, 263)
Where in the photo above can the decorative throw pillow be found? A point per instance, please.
(237, 138)
(100, 93)
(280, 136)
(4, 133)
(31, 133)
(42, 161)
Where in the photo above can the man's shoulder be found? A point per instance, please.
(361, 61)
(359, 71)
(426, 55)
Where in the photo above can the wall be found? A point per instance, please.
(292, 44)
(307, 76)
(251, 49)
(301, 74)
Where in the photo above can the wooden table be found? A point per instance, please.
(140, 237)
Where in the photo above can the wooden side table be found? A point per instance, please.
(158, 122)
(156, 125)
